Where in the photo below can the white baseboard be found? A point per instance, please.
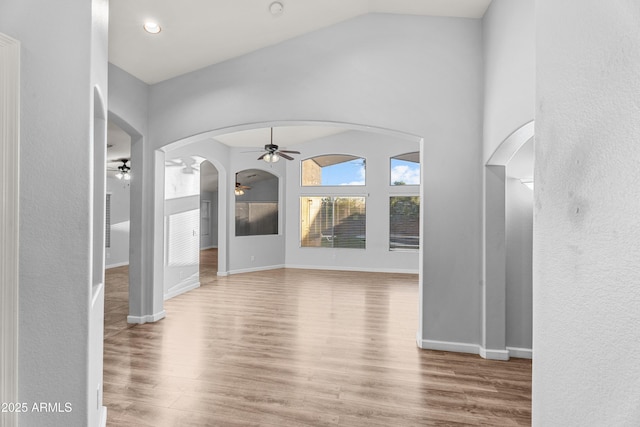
(222, 273)
(492, 354)
(458, 347)
(181, 288)
(254, 269)
(361, 269)
(208, 247)
(145, 319)
(103, 417)
(117, 264)
(522, 353)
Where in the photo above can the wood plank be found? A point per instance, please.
(295, 348)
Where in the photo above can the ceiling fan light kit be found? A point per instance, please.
(273, 153)
(124, 170)
(239, 188)
(271, 157)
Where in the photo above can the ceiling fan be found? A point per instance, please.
(239, 190)
(273, 153)
(123, 170)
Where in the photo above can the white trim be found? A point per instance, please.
(511, 144)
(253, 269)
(222, 273)
(522, 353)
(209, 247)
(361, 269)
(103, 417)
(180, 289)
(490, 354)
(9, 220)
(149, 318)
(117, 264)
(457, 347)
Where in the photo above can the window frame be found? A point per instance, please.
(396, 157)
(333, 196)
(404, 249)
(355, 157)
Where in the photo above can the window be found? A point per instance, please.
(333, 222)
(205, 224)
(256, 218)
(257, 204)
(333, 169)
(405, 169)
(404, 222)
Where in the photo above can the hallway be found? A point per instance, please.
(297, 347)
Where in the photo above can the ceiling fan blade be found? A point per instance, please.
(286, 156)
(290, 151)
(262, 157)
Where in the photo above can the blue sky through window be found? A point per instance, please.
(405, 171)
(345, 173)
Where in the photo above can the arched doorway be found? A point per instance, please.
(206, 146)
(494, 345)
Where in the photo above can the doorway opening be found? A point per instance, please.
(117, 229)
(209, 194)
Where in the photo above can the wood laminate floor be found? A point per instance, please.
(297, 348)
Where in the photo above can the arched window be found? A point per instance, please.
(405, 169)
(333, 169)
(256, 193)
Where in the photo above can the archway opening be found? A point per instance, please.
(209, 194)
(285, 249)
(507, 226)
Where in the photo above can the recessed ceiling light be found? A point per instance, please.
(152, 27)
(276, 8)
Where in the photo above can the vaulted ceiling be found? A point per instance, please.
(198, 33)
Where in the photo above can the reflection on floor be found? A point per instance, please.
(297, 347)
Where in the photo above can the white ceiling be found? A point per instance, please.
(198, 33)
(283, 136)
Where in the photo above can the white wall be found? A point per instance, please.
(64, 56)
(509, 100)
(377, 149)
(519, 247)
(508, 34)
(587, 198)
(418, 75)
(118, 253)
(254, 253)
(128, 108)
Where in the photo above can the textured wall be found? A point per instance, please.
(587, 198)
(63, 56)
